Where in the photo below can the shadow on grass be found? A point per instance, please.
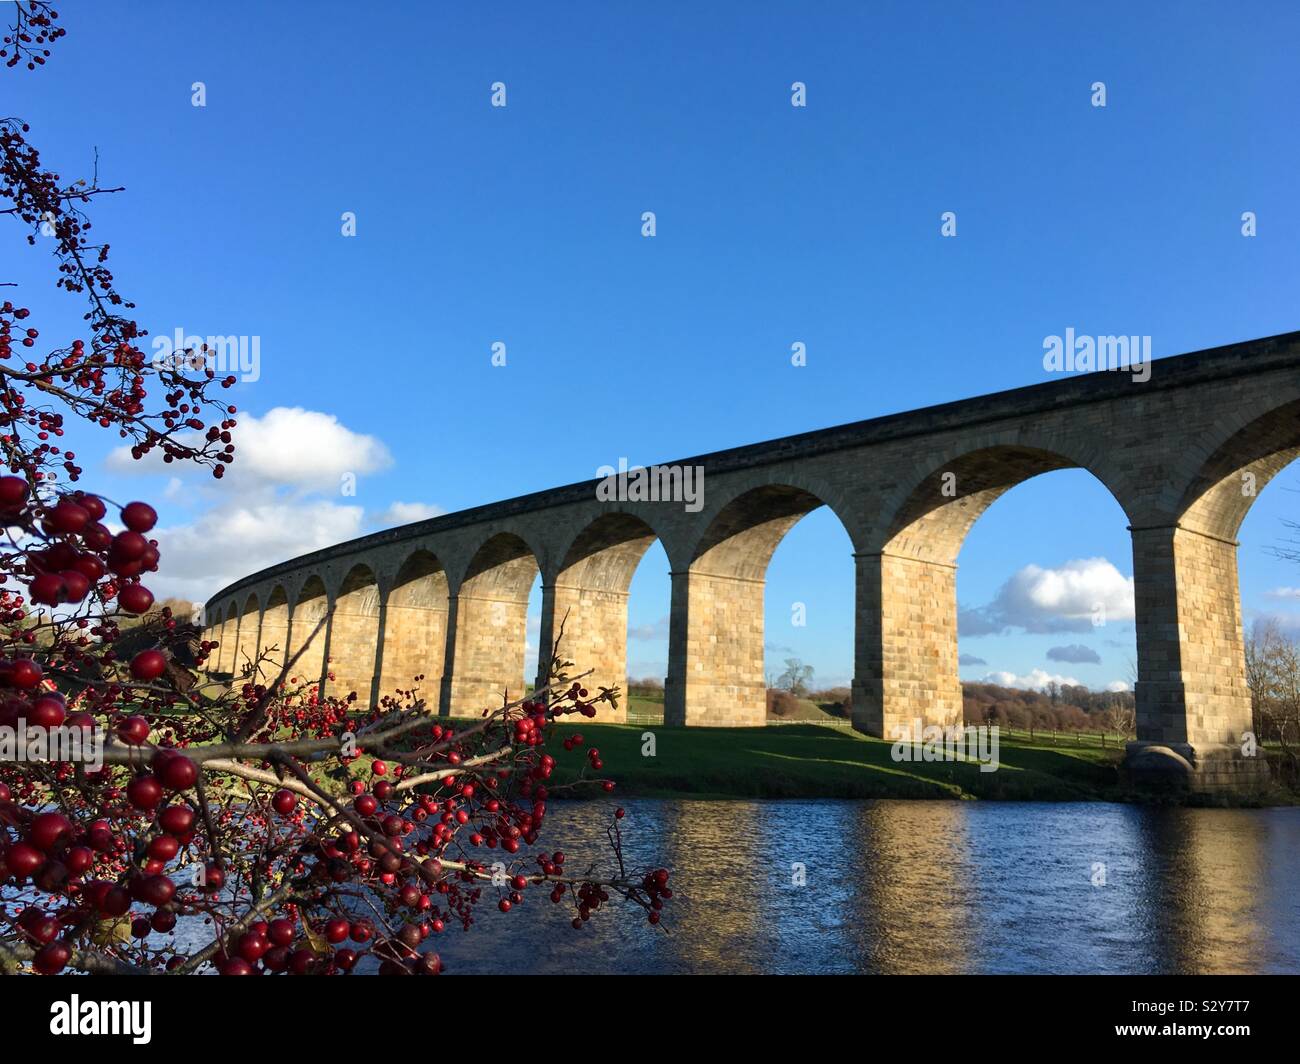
(810, 761)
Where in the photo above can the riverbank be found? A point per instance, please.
(820, 761)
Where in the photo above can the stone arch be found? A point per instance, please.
(273, 638)
(307, 634)
(905, 647)
(1229, 481)
(250, 618)
(1192, 692)
(930, 519)
(354, 635)
(488, 620)
(415, 625)
(716, 634)
(585, 603)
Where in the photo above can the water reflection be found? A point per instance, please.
(909, 887)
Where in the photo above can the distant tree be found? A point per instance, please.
(1273, 675)
(796, 678)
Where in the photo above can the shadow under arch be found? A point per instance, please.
(414, 626)
(273, 638)
(488, 624)
(308, 633)
(246, 642)
(354, 635)
(716, 626)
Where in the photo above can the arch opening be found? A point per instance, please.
(585, 606)
(907, 667)
(716, 650)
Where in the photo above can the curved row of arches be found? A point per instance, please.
(460, 620)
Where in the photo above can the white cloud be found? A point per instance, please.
(1064, 599)
(287, 447)
(1035, 681)
(1119, 685)
(657, 630)
(405, 513)
(241, 537)
(1074, 654)
(1283, 593)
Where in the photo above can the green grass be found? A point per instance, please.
(816, 761)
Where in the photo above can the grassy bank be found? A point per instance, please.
(818, 761)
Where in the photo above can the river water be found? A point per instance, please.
(920, 887)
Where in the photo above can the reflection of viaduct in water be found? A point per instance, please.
(1183, 453)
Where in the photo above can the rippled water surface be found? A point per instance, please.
(897, 886)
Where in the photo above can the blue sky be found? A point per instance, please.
(775, 224)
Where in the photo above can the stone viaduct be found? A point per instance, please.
(1183, 453)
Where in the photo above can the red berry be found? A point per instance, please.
(22, 860)
(175, 771)
(25, 674)
(135, 598)
(281, 931)
(52, 959)
(48, 589)
(46, 712)
(67, 518)
(127, 547)
(163, 847)
(251, 946)
(139, 516)
(177, 819)
(134, 730)
(48, 829)
(144, 792)
(148, 665)
(93, 505)
(76, 585)
(283, 802)
(13, 492)
(157, 890)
